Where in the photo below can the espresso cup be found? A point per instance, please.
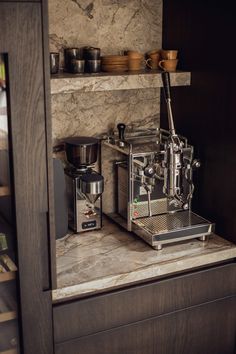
(152, 63)
(169, 54)
(54, 63)
(93, 66)
(133, 54)
(135, 63)
(153, 58)
(77, 66)
(153, 52)
(91, 53)
(168, 64)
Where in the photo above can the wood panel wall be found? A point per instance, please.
(203, 32)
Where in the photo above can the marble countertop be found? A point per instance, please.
(112, 257)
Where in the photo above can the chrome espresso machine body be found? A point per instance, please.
(150, 176)
(84, 185)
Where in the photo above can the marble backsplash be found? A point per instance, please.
(112, 25)
(94, 113)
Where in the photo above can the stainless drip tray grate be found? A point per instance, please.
(181, 224)
(160, 224)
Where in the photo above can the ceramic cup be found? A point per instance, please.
(168, 64)
(153, 61)
(54, 62)
(135, 60)
(153, 58)
(93, 66)
(133, 54)
(91, 53)
(169, 54)
(77, 66)
(135, 63)
(153, 51)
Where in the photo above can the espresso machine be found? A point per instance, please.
(84, 185)
(149, 183)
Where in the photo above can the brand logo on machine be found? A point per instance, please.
(89, 224)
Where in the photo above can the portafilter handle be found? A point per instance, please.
(121, 129)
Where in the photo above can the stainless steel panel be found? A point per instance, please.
(161, 224)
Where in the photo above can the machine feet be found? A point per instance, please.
(158, 247)
(203, 238)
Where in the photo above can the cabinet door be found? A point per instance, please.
(21, 44)
(204, 329)
(9, 338)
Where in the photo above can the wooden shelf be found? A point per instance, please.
(10, 351)
(7, 276)
(3, 140)
(7, 316)
(10, 265)
(4, 191)
(70, 83)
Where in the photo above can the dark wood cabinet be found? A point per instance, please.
(205, 111)
(22, 36)
(204, 329)
(192, 313)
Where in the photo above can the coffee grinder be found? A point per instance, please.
(84, 185)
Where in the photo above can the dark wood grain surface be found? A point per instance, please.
(21, 1)
(204, 329)
(48, 130)
(205, 112)
(98, 313)
(21, 39)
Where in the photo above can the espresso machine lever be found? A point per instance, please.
(166, 85)
(174, 164)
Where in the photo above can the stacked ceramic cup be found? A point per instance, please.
(73, 61)
(92, 59)
(168, 60)
(135, 60)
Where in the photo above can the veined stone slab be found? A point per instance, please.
(96, 261)
(104, 82)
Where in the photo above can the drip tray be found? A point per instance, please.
(166, 228)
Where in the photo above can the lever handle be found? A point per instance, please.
(121, 129)
(166, 84)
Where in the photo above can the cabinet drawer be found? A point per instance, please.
(98, 313)
(205, 329)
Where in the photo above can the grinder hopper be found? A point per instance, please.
(92, 186)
